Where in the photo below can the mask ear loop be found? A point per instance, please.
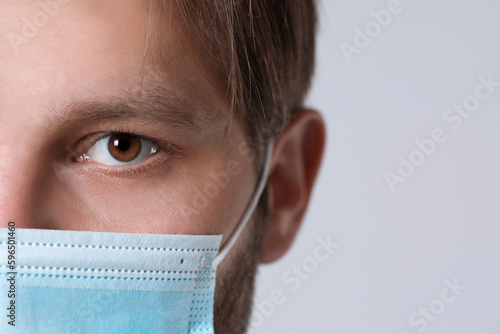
(261, 184)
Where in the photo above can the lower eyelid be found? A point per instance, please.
(158, 166)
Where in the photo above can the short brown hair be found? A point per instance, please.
(265, 48)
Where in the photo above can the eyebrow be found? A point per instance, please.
(153, 104)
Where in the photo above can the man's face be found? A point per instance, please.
(75, 79)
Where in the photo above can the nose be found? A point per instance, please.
(18, 181)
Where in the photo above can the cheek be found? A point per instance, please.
(199, 198)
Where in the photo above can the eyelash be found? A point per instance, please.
(169, 151)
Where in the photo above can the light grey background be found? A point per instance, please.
(398, 248)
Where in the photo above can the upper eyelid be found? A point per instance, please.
(112, 133)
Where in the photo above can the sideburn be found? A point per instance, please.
(234, 289)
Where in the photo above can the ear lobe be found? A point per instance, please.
(297, 155)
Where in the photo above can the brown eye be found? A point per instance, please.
(124, 147)
(120, 149)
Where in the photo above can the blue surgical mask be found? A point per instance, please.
(103, 282)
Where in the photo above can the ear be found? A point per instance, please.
(297, 155)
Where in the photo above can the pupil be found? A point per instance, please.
(123, 145)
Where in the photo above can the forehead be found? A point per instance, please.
(83, 49)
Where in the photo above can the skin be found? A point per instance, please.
(92, 53)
